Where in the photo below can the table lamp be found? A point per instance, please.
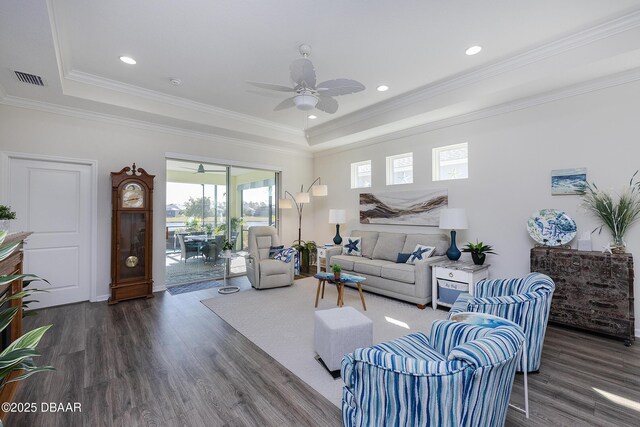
(337, 217)
(453, 219)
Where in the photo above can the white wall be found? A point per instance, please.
(115, 146)
(511, 157)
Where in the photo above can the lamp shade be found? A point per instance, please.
(285, 204)
(337, 216)
(303, 197)
(319, 190)
(453, 219)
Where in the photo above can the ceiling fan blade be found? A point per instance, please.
(270, 86)
(287, 103)
(302, 73)
(339, 87)
(327, 104)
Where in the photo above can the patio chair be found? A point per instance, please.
(188, 249)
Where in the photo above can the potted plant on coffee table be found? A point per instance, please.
(478, 251)
(336, 269)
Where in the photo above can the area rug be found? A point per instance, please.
(280, 322)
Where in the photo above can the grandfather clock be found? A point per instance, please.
(131, 234)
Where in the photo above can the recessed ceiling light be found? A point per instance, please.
(128, 60)
(382, 88)
(312, 117)
(473, 50)
(175, 82)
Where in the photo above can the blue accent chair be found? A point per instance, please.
(461, 375)
(525, 301)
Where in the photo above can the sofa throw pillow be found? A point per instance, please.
(402, 258)
(273, 250)
(285, 255)
(420, 253)
(352, 246)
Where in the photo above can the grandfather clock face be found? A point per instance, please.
(133, 196)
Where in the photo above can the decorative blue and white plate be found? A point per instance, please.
(551, 227)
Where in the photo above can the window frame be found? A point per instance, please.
(355, 175)
(391, 171)
(436, 165)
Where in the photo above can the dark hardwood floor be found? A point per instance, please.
(169, 361)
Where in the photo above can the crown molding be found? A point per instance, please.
(91, 79)
(594, 85)
(584, 37)
(145, 125)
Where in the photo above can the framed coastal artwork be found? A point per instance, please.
(403, 207)
(568, 181)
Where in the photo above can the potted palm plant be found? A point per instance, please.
(616, 213)
(478, 251)
(17, 357)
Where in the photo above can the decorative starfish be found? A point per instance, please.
(418, 253)
(606, 249)
(352, 246)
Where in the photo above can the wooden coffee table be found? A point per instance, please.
(323, 278)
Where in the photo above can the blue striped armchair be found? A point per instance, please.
(460, 375)
(525, 301)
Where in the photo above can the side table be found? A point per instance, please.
(227, 289)
(456, 275)
(321, 258)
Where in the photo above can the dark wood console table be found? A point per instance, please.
(594, 290)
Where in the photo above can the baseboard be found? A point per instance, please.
(101, 298)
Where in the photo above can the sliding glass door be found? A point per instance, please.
(208, 205)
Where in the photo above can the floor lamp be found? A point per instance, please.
(300, 199)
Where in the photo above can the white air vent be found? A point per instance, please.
(29, 78)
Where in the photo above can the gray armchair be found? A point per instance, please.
(262, 271)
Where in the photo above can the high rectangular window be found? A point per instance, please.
(400, 169)
(361, 174)
(451, 162)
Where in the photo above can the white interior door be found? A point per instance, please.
(53, 199)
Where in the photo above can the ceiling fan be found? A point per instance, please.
(201, 169)
(308, 94)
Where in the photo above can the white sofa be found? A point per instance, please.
(378, 265)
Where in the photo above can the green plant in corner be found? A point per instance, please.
(478, 251)
(307, 250)
(617, 215)
(18, 355)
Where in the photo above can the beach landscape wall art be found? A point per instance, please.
(568, 181)
(403, 207)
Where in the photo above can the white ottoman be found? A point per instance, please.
(339, 331)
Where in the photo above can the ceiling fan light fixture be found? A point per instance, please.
(305, 101)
